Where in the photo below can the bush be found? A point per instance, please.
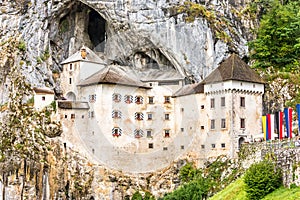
(261, 179)
(137, 196)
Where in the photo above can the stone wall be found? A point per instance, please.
(284, 153)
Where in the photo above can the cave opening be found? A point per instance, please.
(142, 60)
(97, 30)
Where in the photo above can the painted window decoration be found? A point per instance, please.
(139, 116)
(116, 114)
(139, 99)
(128, 99)
(167, 99)
(167, 133)
(92, 98)
(116, 97)
(116, 132)
(138, 133)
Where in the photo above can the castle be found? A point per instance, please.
(141, 120)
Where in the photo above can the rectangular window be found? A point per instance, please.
(167, 99)
(202, 146)
(149, 134)
(150, 116)
(242, 122)
(66, 116)
(167, 116)
(72, 116)
(182, 129)
(71, 67)
(43, 98)
(151, 100)
(70, 80)
(182, 146)
(242, 102)
(223, 145)
(182, 109)
(92, 114)
(202, 107)
(150, 145)
(165, 148)
(222, 101)
(202, 127)
(212, 103)
(223, 123)
(212, 124)
(213, 146)
(167, 133)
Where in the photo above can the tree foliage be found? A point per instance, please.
(261, 179)
(278, 37)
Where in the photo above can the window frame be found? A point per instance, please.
(139, 116)
(139, 99)
(223, 102)
(167, 116)
(242, 102)
(116, 97)
(212, 103)
(151, 100)
(167, 133)
(212, 124)
(223, 123)
(167, 99)
(148, 116)
(242, 123)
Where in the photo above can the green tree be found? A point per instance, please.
(137, 196)
(278, 37)
(261, 179)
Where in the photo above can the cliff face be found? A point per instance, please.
(161, 32)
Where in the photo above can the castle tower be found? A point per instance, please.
(76, 68)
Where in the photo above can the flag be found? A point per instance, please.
(298, 113)
(264, 126)
(270, 127)
(279, 124)
(288, 121)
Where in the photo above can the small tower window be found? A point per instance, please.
(223, 101)
(223, 123)
(212, 124)
(242, 102)
(71, 67)
(70, 81)
(243, 123)
(212, 103)
(167, 116)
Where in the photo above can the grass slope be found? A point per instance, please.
(235, 191)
